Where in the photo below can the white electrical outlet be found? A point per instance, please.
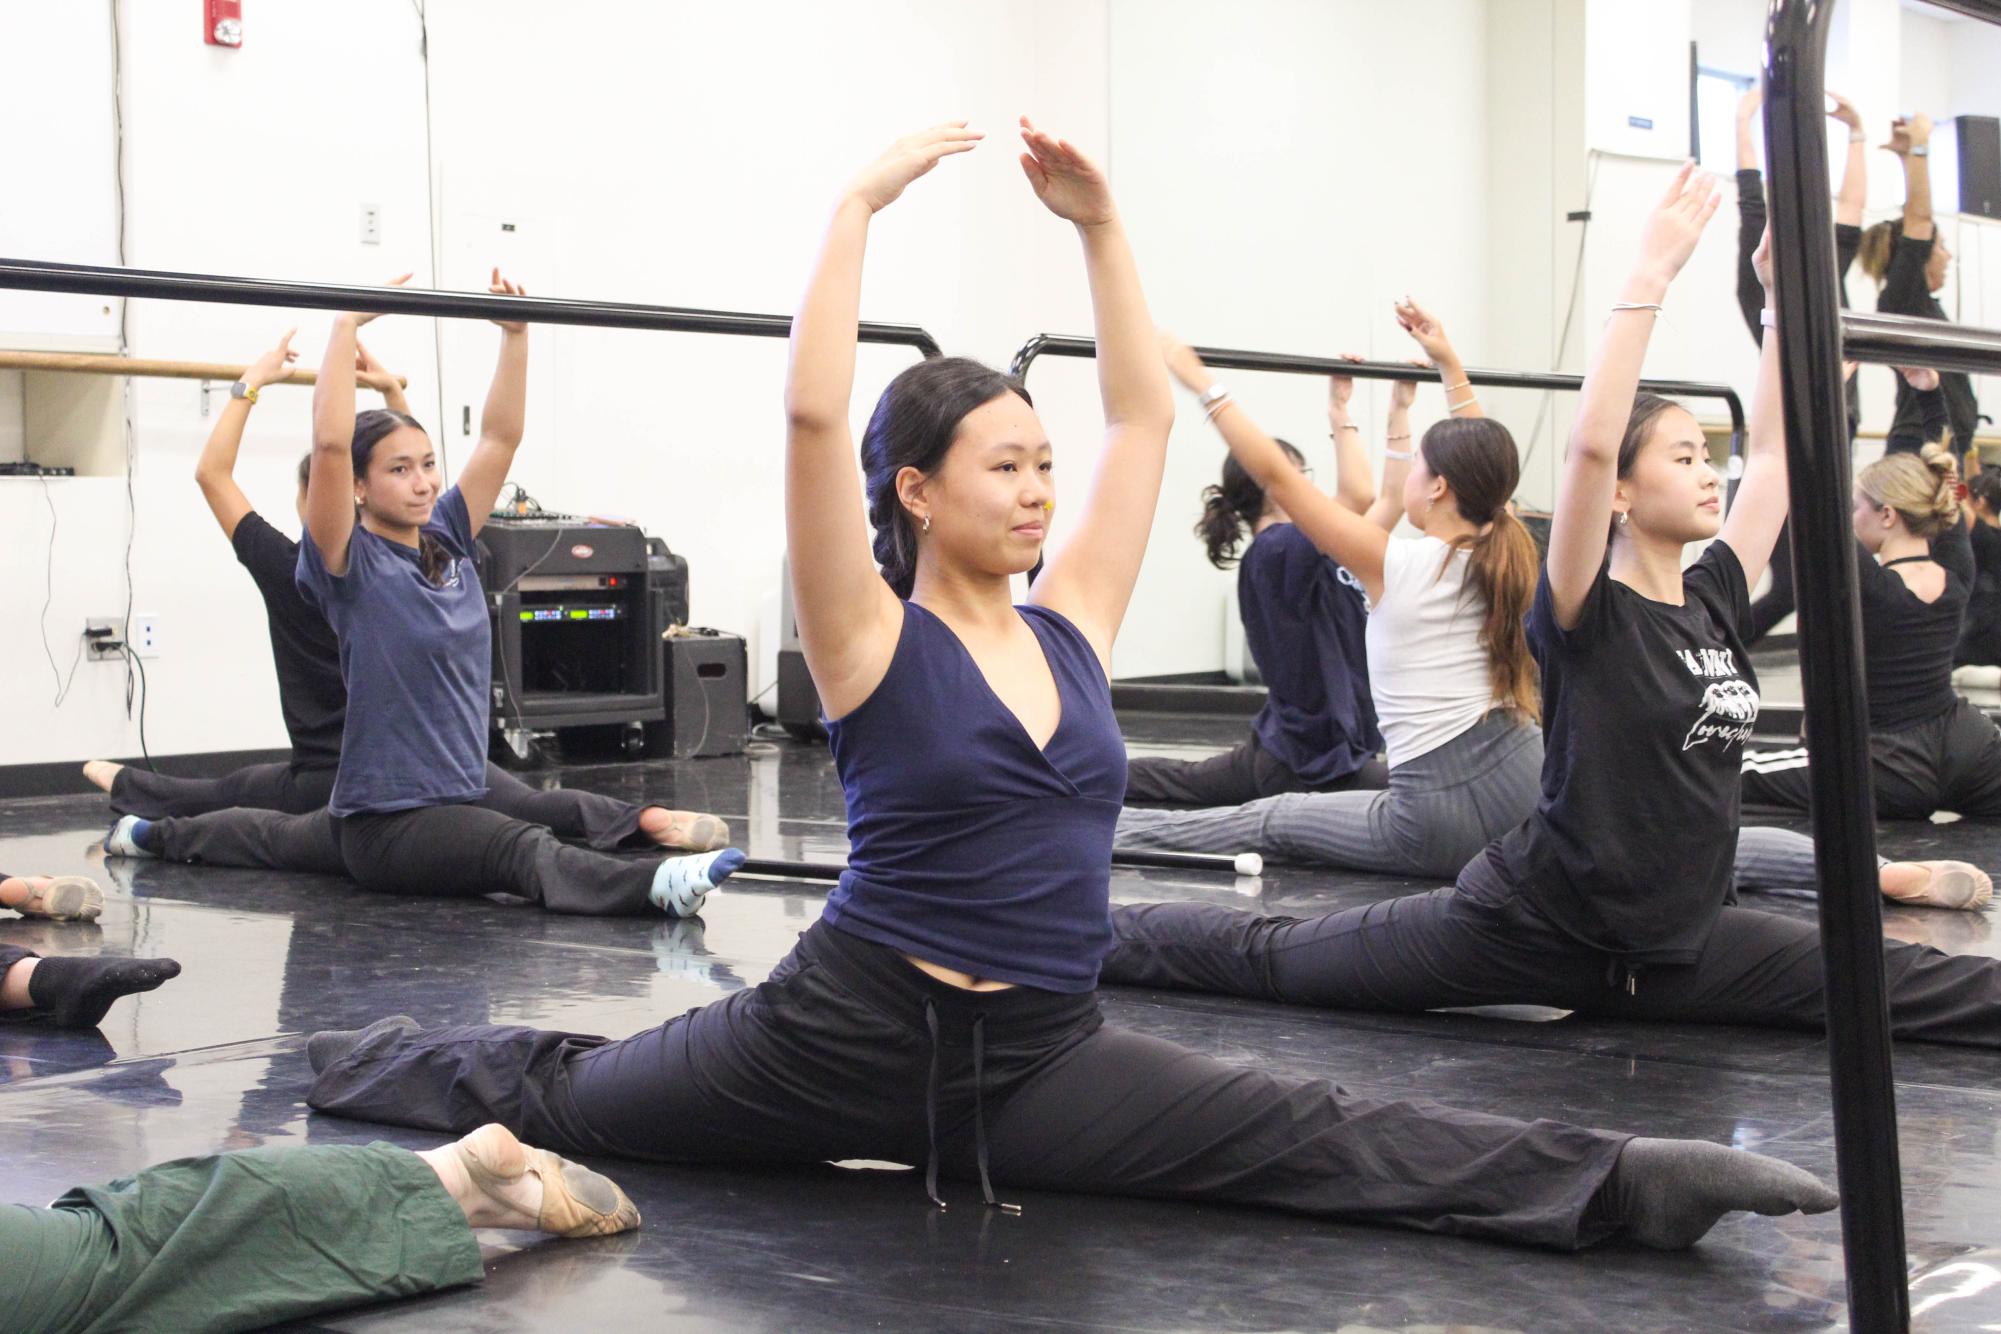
(371, 224)
(146, 636)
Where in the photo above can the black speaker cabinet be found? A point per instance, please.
(1979, 165)
(707, 708)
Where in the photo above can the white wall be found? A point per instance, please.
(1282, 171)
(249, 162)
(1285, 187)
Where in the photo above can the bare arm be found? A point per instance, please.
(1399, 450)
(1579, 528)
(1854, 196)
(1352, 486)
(848, 617)
(1461, 399)
(1330, 525)
(502, 420)
(1090, 578)
(1747, 128)
(215, 471)
(1758, 511)
(330, 479)
(1906, 135)
(374, 375)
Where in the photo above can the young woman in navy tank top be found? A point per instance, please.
(1613, 898)
(943, 1009)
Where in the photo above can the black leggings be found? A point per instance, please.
(848, 1050)
(1951, 763)
(1236, 776)
(508, 842)
(265, 787)
(1443, 949)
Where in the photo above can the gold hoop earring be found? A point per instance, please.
(927, 523)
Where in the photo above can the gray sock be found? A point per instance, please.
(1666, 1193)
(328, 1046)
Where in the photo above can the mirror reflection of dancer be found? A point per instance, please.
(943, 1008)
(1613, 898)
(388, 560)
(1304, 616)
(313, 699)
(1929, 747)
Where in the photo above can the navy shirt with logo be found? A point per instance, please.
(1304, 620)
(417, 660)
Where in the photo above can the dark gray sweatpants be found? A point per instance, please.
(512, 841)
(269, 787)
(832, 1058)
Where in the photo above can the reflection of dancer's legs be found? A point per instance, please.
(1445, 949)
(1781, 861)
(465, 851)
(244, 1240)
(239, 837)
(266, 787)
(1440, 810)
(1243, 773)
(437, 852)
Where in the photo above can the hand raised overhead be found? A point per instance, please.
(1069, 184)
(884, 180)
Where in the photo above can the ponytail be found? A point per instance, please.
(1879, 244)
(1477, 458)
(1233, 507)
(1503, 568)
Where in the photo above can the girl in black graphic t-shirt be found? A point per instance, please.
(1613, 897)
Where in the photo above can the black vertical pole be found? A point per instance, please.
(1824, 554)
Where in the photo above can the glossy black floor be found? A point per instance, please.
(214, 1061)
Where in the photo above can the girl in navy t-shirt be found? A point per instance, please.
(1304, 617)
(389, 558)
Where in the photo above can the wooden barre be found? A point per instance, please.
(90, 363)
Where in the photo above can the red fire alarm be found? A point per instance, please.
(222, 22)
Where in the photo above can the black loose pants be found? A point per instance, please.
(849, 1050)
(1442, 950)
(266, 787)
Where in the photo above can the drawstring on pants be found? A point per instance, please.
(931, 1109)
(979, 1113)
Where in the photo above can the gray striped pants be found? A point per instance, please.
(1438, 812)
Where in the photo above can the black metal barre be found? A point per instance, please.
(94, 280)
(1910, 340)
(1842, 804)
(1988, 11)
(1287, 363)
